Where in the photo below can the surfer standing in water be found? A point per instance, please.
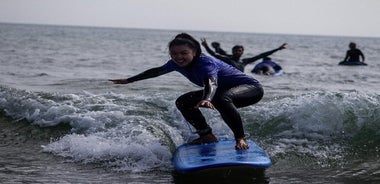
(224, 88)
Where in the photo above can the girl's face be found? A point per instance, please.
(182, 55)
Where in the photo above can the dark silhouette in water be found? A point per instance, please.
(353, 56)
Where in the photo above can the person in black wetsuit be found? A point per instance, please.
(237, 52)
(354, 54)
(225, 88)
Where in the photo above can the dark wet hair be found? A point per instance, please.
(215, 44)
(352, 45)
(188, 40)
(237, 47)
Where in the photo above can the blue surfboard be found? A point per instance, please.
(222, 154)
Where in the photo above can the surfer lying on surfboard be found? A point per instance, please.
(225, 88)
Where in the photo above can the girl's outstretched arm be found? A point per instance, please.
(153, 72)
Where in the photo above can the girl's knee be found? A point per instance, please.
(184, 102)
(188, 100)
(179, 103)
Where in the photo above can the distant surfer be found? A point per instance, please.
(353, 55)
(237, 51)
(224, 88)
(267, 67)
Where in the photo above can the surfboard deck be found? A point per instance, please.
(220, 155)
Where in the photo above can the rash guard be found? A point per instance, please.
(207, 67)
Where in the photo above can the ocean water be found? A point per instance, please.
(62, 121)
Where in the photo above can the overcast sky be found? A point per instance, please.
(313, 17)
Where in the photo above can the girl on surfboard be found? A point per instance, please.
(225, 88)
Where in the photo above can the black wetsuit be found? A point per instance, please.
(225, 101)
(240, 64)
(221, 52)
(353, 55)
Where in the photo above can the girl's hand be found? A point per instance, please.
(205, 103)
(241, 143)
(119, 81)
